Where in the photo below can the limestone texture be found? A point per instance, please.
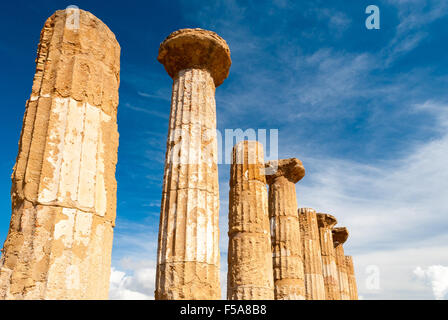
(250, 273)
(188, 258)
(281, 176)
(63, 183)
(326, 223)
(340, 235)
(351, 278)
(312, 259)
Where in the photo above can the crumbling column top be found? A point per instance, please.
(325, 220)
(291, 168)
(305, 210)
(196, 48)
(340, 235)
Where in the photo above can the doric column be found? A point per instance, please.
(340, 235)
(330, 272)
(188, 244)
(312, 260)
(281, 176)
(63, 185)
(250, 275)
(351, 278)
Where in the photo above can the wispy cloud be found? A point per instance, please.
(147, 111)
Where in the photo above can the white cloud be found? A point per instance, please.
(138, 286)
(437, 277)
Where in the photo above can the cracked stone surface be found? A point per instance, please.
(63, 183)
(326, 222)
(340, 235)
(188, 258)
(287, 257)
(250, 273)
(312, 259)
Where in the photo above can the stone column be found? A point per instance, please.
(250, 274)
(312, 260)
(63, 185)
(340, 235)
(188, 245)
(281, 176)
(330, 272)
(351, 278)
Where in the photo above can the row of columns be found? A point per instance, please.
(308, 260)
(274, 251)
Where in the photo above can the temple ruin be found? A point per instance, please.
(64, 189)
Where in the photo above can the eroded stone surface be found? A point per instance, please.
(312, 258)
(330, 272)
(353, 289)
(340, 235)
(250, 273)
(188, 246)
(63, 184)
(285, 229)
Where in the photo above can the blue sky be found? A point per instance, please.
(365, 110)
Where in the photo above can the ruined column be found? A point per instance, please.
(312, 260)
(340, 235)
(188, 245)
(351, 278)
(63, 184)
(330, 272)
(250, 274)
(281, 176)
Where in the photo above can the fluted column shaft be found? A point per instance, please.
(63, 185)
(287, 256)
(312, 259)
(250, 274)
(351, 278)
(330, 271)
(342, 273)
(188, 256)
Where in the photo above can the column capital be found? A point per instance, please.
(195, 48)
(340, 235)
(292, 169)
(325, 220)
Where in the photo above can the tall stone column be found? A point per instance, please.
(330, 272)
(63, 185)
(188, 245)
(250, 274)
(312, 260)
(340, 235)
(285, 228)
(351, 278)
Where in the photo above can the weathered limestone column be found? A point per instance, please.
(188, 246)
(250, 274)
(351, 278)
(340, 235)
(330, 272)
(63, 185)
(281, 176)
(312, 260)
